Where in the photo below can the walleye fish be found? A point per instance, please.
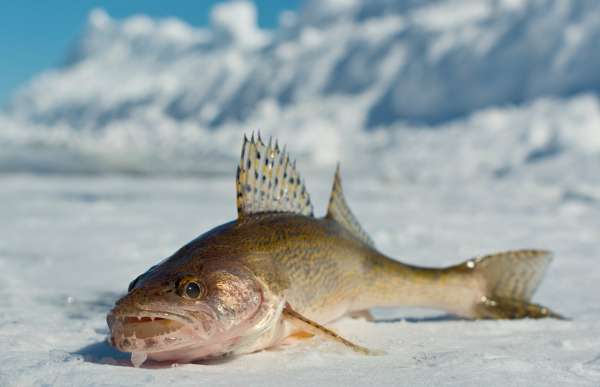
(277, 272)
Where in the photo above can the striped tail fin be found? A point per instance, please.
(510, 280)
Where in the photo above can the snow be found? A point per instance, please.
(234, 23)
(72, 244)
(146, 95)
(463, 128)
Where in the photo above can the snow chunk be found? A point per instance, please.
(60, 356)
(138, 25)
(99, 19)
(236, 23)
(452, 14)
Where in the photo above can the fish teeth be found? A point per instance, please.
(152, 318)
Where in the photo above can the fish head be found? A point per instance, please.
(181, 314)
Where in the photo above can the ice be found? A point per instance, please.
(137, 358)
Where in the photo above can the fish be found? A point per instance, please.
(277, 272)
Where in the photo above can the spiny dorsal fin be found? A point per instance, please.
(268, 182)
(338, 210)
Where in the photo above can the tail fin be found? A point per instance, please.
(510, 280)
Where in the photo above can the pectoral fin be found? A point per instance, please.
(312, 327)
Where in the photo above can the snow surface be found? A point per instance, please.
(463, 127)
(71, 245)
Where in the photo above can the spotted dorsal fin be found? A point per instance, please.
(338, 210)
(268, 182)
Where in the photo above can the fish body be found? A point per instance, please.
(278, 271)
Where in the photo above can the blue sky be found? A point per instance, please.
(37, 34)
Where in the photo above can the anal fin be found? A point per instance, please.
(313, 328)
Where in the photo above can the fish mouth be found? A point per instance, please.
(149, 331)
(146, 327)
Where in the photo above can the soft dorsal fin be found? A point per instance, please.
(268, 182)
(338, 210)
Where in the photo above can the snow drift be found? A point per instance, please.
(339, 78)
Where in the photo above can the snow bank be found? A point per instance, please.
(532, 141)
(149, 95)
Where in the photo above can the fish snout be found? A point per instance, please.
(145, 333)
(153, 330)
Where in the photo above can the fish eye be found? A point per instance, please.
(190, 287)
(193, 290)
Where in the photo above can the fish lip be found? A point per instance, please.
(177, 312)
(142, 312)
(162, 312)
(114, 320)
